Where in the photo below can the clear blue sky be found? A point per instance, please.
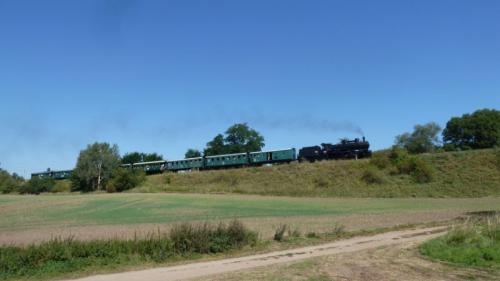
(164, 76)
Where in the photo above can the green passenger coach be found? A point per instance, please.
(226, 160)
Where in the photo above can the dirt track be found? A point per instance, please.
(194, 270)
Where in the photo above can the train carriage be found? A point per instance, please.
(226, 160)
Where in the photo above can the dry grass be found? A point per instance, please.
(401, 262)
(457, 174)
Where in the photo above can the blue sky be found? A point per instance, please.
(165, 76)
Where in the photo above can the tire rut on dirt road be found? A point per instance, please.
(199, 269)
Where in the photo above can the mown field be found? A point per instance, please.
(455, 174)
(27, 219)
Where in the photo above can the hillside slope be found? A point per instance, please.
(456, 174)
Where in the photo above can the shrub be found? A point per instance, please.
(398, 155)
(125, 179)
(294, 233)
(471, 244)
(312, 235)
(66, 255)
(279, 234)
(9, 183)
(497, 152)
(337, 230)
(421, 171)
(372, 176)
(207, 238)
(380, 160)
(37, 186)
(61, 186)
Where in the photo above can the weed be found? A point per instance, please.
(312, 235)
(294, 233)
(475, 243)
(372, 176)
(59, 256)
(336, 231)
(279, 234)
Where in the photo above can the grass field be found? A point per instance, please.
(455, 174)
(31, 218)
(475, 243)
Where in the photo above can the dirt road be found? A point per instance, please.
(194, 270)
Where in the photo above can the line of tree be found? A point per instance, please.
(135, 157)
(481, 129)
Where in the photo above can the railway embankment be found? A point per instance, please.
(474, 173)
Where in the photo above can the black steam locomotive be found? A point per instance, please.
(346, 149)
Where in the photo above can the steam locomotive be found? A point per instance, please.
(346, 149)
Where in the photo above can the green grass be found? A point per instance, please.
(473, 244)
(32, 212)
(455, 174)
(62, 256)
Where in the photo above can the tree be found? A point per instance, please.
(125, 179)
(37, 185)
(239, 138)
(8, 182)
(135, 157)
(480, 129)
(95, 166)
(424, 138)
(192, 153)
(216, 146)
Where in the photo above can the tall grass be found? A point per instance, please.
(59, 256)
(475, 243)
(450, 174)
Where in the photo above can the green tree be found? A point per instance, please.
(216, 146)
(238, 138)
(9, 183)
(192, 153)
(424, 138)
(241, 138)
(95, 166)
(37, 186)
(125, 179)
(480, 129)
(135, 157)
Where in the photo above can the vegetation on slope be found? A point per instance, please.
(472, 244)
(474, 173)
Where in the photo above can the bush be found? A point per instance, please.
(497, 152)
(337, 230)
(207, 238)
(61, 186)
(312, 235)
(279, 234)
(9, 183)
(372, 176)
(472, 244)
(37, 186)
(58, 256)
(398, 155)
(421, 171)
(125, 179)
(294, 233)
(380, 160)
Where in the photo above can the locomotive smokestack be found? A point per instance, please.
(363, 139)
